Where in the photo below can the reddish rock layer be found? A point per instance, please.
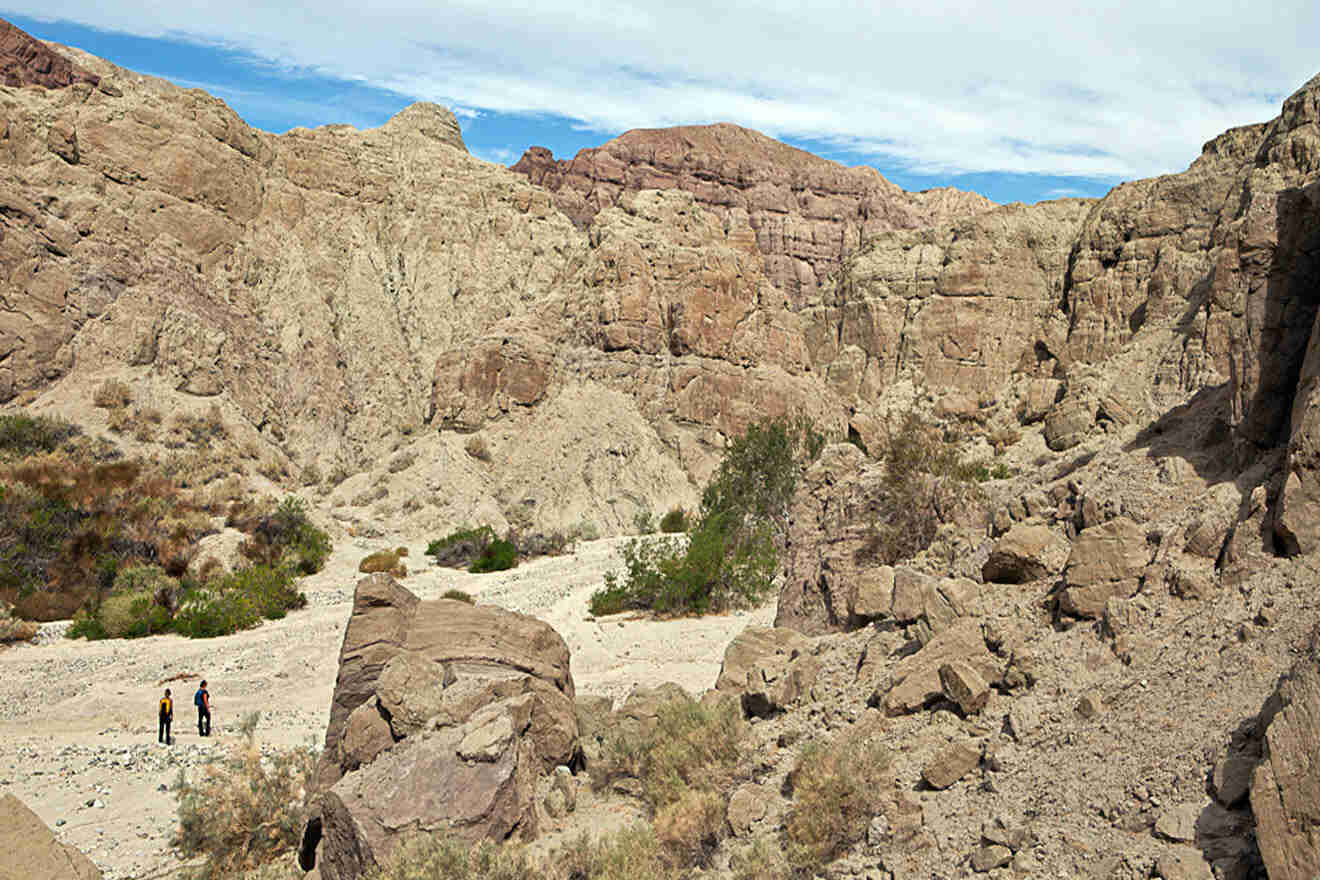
(26, 61)
(807, 213)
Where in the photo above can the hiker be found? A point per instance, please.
(166, 717)
(202, 700)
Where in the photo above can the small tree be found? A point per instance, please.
(731, 555)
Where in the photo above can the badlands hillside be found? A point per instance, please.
(1102, 666)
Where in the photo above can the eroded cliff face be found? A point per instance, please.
(342, 293)
(806, 214)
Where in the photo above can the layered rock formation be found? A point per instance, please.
(444, 715)
(26, 61)
(807, 214)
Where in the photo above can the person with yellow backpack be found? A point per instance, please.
(166, 717)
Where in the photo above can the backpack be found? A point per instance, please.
(197, 698)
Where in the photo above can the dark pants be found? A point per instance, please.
(203, 721)
(165, 721)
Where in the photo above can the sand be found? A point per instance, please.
(78, 719)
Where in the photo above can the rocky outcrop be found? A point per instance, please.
(828, 531)
(1027, 552)
(1106, 561)
(1285, 789)
(31, 850)
(26, 61)
(806, 214)
(769, 670)
(444, 715)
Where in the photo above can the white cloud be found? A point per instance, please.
(1109, 90)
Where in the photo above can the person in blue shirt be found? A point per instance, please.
(202, 700)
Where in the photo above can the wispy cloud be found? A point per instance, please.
(953, 87)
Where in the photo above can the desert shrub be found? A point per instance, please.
(691, 747)
(674, 521)
(498, 555)
(925, 483)
(460, 596)
(112, 394)
(370, 496)
(686, 764)
(643, 522)
(759, 861)
(286, 535)
(237, 601)
(633, 853)
(138, 606)
(628, 854)
(243, 809)
(585, 530)
(428, 856)
(201, 429)
(838, 787)
(460, 548)
(383, 560)
(477, 448)
(691, 827)
(402, 462)
(23, 435)
(310, 475)
(731, 555)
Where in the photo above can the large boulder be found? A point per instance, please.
(915, 680)
(1027, 552)
(1285, 789)
(1106, 561)
(31, 850)
(444, 715)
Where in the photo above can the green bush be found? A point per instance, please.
(23, 435)
(838, 787)
(643, 522)
(286, 535)
(731, 555)
(674, 521)
(498, 555)
(925, 482)
(245, 809)
(458, 549)
(460, 596)
(237, 601)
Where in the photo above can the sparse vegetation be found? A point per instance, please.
(925, 483)
(244, 809)
(22, 435)
(629, 854)
(477, 448)
(686, 764)
(731, 555)
(286, 536)
(643, 522)
(460, 596)
(675, 521)
(838, 786)
(386, 561)
(498, 555)
(112, 394)
(479, 549)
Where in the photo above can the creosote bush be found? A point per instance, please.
(479, 549)
(243, 809)
(838, 786)
(730, 557)
(22, 435)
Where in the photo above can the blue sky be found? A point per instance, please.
(1016, 100)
